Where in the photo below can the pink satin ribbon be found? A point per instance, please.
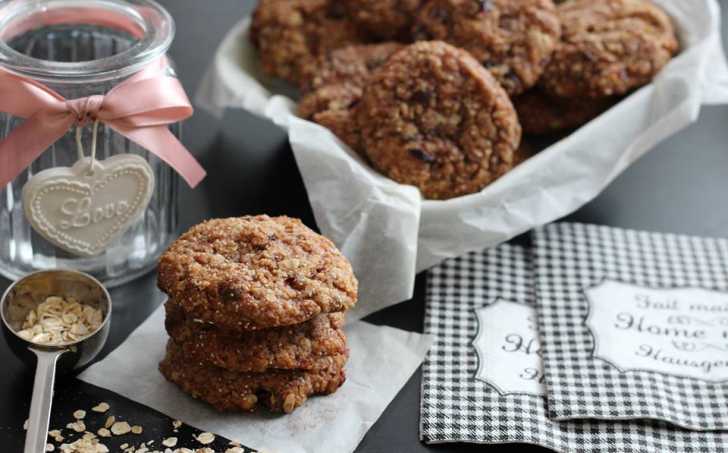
(140, 108)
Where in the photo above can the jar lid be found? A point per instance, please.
(148, 23)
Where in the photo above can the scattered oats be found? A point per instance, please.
(79, 426)
(235, 443)
(234, 450)
(176, 424)
(56, 435)
(103, 432)
(205, 450)
(120, 428)
(50, 447)
(183, 450)
(124, 446)
(79, 414)
(169, 442)
(136, 429)
(25, 424)
(59, 320)
(205, 438)
(101, 407)
(109, 421)
(84, 445)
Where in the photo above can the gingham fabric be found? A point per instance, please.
(455, 407)
(569, 259)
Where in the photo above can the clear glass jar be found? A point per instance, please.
(81, 48)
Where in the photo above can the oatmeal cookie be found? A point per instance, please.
(433, 117)
(312, 345)
(542, 114)
(291, 34)
(609, 47)
(351, 65)
(383, 19)
(332, 106)
(513, 39)
(279, 391)
(256, 272)
(333, 97)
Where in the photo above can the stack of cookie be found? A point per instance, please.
(502, 66)
(255, 313)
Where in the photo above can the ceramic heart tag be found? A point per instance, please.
(80, 209)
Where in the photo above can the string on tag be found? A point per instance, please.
(94, 142)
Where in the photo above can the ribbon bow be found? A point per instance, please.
(139, 108)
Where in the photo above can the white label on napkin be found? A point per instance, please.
(82, 211)
(681, 332)
(509, 354)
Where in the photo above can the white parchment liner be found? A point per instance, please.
(390, 233)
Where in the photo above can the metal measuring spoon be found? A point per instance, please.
(24, 295)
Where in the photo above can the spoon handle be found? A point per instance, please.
(40, 406)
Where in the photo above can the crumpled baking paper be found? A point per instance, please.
(382, 360)
(390, 233)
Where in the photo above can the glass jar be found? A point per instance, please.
(80, 48)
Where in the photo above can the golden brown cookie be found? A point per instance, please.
(279, 391)
(313, 345)
(513, 39)
(608, 47)
(332, 106)
(384, 19)
(335, 89)
(541, 114)
(350, 65)
(434, 118)
(256, 272)
(291, 34)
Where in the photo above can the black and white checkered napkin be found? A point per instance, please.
(634, 325)
(457, 406)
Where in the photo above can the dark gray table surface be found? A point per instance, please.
(680, 187)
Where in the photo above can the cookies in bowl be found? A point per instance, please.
(547, 68)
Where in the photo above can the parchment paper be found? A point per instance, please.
(382, 360)
(390, 233)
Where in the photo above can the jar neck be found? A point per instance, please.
(109, 39)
